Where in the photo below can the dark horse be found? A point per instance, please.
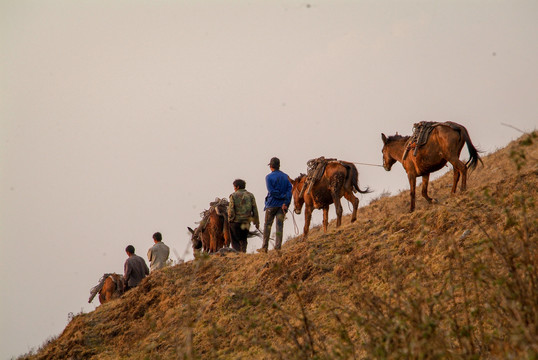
(444, 145)
(213, 233)
(340, 178)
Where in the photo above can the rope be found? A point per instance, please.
(295, 227)
(360, 163)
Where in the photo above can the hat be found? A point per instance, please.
(274, 163)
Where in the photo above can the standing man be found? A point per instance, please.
(242, 210)
(277, 202)
(158, 253)
(135, 268)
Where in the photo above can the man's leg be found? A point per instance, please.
(235, 232)
(269, 218)
(279, 228)
(244, 236)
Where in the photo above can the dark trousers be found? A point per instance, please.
(239, 232)
(270, 215)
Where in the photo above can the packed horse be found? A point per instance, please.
(429, 149)
(327, 182)
(433, 146)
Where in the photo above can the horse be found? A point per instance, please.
(340, 178)
(110, 287)
(213, 232)
(444, 145)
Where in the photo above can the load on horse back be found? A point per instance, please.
(213, 231)
(432, 145)
(327, 181)
(110, 287)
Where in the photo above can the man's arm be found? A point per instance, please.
(127, 272)
(231, 209)
(288, 193)
(146, 269)
(255, 215)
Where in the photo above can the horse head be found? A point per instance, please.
(388, 160)
(297, 193)
(196, 239)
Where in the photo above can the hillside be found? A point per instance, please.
(453, 280)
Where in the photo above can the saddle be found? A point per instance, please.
(315, 169)
(220, 206)
(421, 134)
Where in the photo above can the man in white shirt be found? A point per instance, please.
(158, 253)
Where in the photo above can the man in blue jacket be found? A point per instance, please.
(276, 203)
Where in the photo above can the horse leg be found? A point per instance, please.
(456, 179)
(336, 184)
(307, 219)
(425, 182)
(109, 295)
(412, 188)
(325, 218)
(204, 237)
(105, 294)
(459, 168)
(355, 202)
(463, 171)
(212, 242)
(339, 211)
(227, 235)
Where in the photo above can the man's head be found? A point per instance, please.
(239, 184)
(157, 236)
(130, 250)
(274, 163)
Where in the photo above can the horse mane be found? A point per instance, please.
(298, 178)
(398, 137)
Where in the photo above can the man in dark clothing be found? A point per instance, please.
(135, 268)
(242, 210)
(276, 203)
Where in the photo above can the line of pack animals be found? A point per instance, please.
(431, 146)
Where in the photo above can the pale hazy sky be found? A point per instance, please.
(122, 118)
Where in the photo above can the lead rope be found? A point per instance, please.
(295, 227)
(367, 164)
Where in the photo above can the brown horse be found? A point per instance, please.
(213, 233)
(110, 287)
(340, 178)
(444, 145)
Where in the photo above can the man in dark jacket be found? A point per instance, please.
(242, 210)
(135, 268)
(276, 203)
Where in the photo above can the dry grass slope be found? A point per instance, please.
(455, 280)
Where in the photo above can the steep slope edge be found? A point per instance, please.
(452, 280)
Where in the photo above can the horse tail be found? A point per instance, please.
(354, 174)
(474, 156)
